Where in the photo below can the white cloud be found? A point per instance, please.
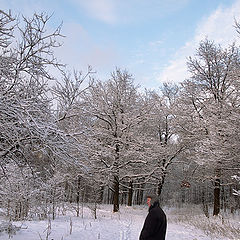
(80, 50)
(104, 10)
(155, 43)
(120, 11)
(218, 27)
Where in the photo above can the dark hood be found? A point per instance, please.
(154, 203)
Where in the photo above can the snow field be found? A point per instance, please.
(125, 225)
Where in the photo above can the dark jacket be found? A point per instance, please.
(155, 224)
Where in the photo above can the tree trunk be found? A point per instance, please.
(53, 203)
(116, 194)
(139, 195)
(109, 197)
(26, 208)
(130, 193)
(216, 208)
(8, 208)
(78, 195)
(116, 182)
(223, 199)
(205, 206)
(160, 184)
(101, 194)
(183, 198)
(66, 191)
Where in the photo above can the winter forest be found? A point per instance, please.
(73, 146)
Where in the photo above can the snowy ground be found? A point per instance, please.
(125, 225)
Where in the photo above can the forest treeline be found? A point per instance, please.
(66, 137)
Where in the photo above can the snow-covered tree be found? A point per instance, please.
(30, 134)
(209, 111)
(162, 145)
(112, 111)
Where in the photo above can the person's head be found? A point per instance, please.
(151, 199)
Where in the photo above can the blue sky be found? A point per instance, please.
(149, 38)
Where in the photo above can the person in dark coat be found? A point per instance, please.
(155, 225)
